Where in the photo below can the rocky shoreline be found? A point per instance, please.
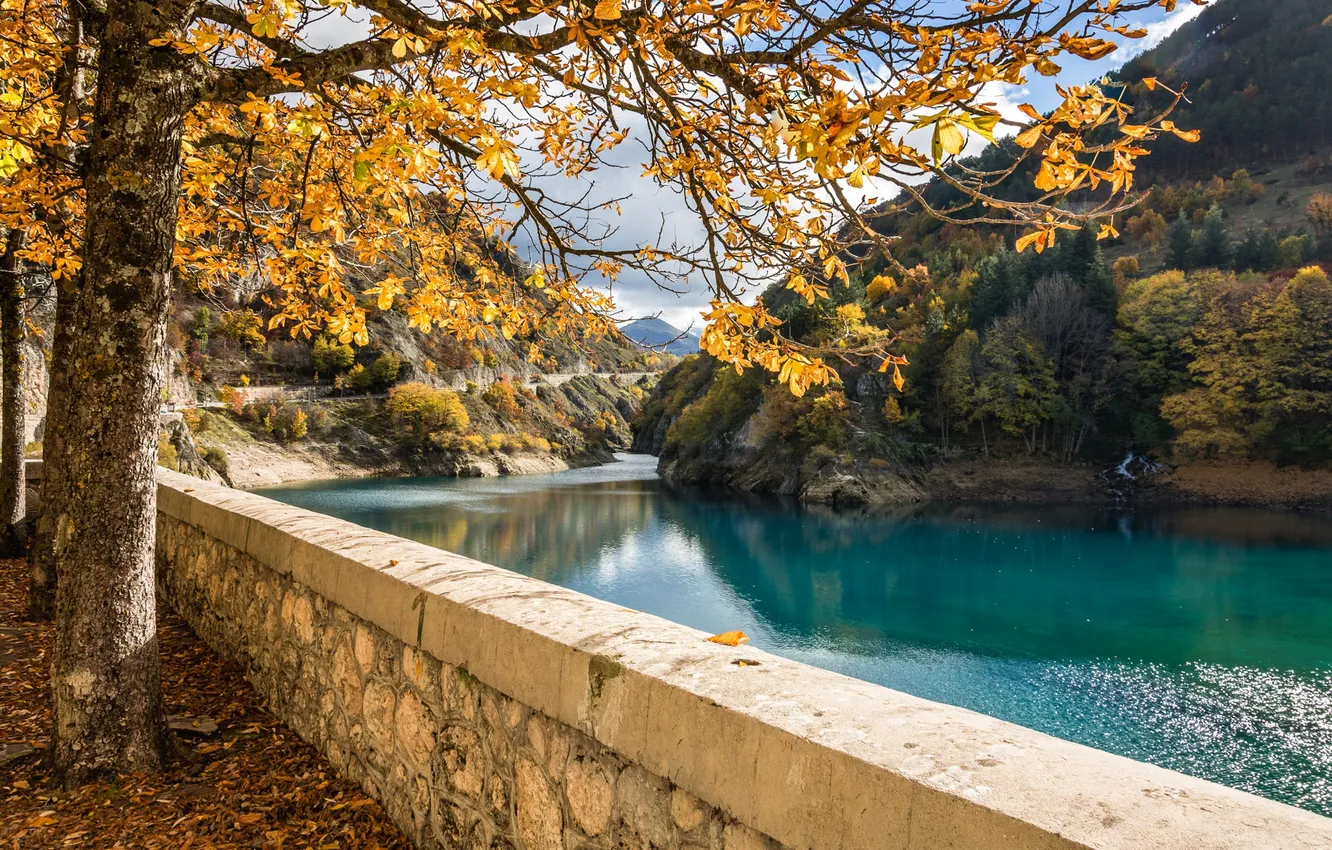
(257, 465)
(875, 484)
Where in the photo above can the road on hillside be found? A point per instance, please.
(325, 392)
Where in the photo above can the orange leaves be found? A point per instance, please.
(948, 136)
(1088, 48)
(1030, 136)
(734, 638)
(799, 373)
(1046, 67)
(801, 286)
(498, 158)
(264, 25)
(404, 44)
(1186, 135)
(1041, 238)
(607, 10)
(896, 361)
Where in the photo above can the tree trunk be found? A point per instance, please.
(13, 487)
(70, 83)
(105, 673)
(41, 552)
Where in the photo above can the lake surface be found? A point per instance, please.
(1199, 639)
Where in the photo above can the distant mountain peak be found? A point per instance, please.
(662, 335)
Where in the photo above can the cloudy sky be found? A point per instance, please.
(650, 209)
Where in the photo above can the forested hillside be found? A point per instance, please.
(1257, 73)
(1202, 330)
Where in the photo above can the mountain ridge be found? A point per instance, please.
(657, 333)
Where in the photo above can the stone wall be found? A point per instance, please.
(489, 710)
(455, 762)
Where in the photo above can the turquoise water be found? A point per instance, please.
(1197, 639)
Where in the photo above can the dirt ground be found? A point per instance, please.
(251, 784)
(1256, 483)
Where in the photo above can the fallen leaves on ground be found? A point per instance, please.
(254, 784)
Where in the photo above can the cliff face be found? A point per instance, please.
(738, 445)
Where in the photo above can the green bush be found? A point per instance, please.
(199, 327)
(216, 457)
(384, 371)
(332, 357)
(825, 423)
(723, 409)
(359, 378)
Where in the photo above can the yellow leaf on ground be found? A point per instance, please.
(734, 638)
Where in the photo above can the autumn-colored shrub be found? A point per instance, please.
(244, 327)
(421, 411)
(880, 288)
(297, 426)
(502, 396)
(515, 443)
(167, 454)
(1149, 227)
(1125, 268)
(1319, 213)
(233, 398)
(331, 357)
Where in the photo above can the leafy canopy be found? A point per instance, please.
(429, 150)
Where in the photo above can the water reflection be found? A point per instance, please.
(1200, 639)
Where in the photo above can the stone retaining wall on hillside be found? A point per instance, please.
(490, 710)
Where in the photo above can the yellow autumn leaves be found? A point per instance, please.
(405, 181)
(948, 131)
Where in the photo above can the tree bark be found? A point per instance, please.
(41, 552)
(13, 487)
(71, 84)
(103, 502)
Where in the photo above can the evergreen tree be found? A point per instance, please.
(1000, 281)
(1078, 254)
(1212, 248)
(1099, 287)
(1180, 238)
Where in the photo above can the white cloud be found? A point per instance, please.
(1158, 31)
